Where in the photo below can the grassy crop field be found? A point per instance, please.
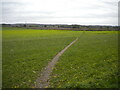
(91, 62)
(27, 51)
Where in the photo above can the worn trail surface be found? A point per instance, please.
(42, 81)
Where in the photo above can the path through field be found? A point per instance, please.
(42, 81)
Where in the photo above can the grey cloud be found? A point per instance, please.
(14, 12)
(113, 3)
(11, 3)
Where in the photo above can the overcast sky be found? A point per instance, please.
(84, 12)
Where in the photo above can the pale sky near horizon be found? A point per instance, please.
(83, 12)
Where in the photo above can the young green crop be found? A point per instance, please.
(92, 62)
(27, 51)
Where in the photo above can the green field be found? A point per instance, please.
(90, 62)
(26, 52)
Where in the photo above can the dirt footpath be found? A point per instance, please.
(42, 81)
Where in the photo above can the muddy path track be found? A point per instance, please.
(42, 81)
